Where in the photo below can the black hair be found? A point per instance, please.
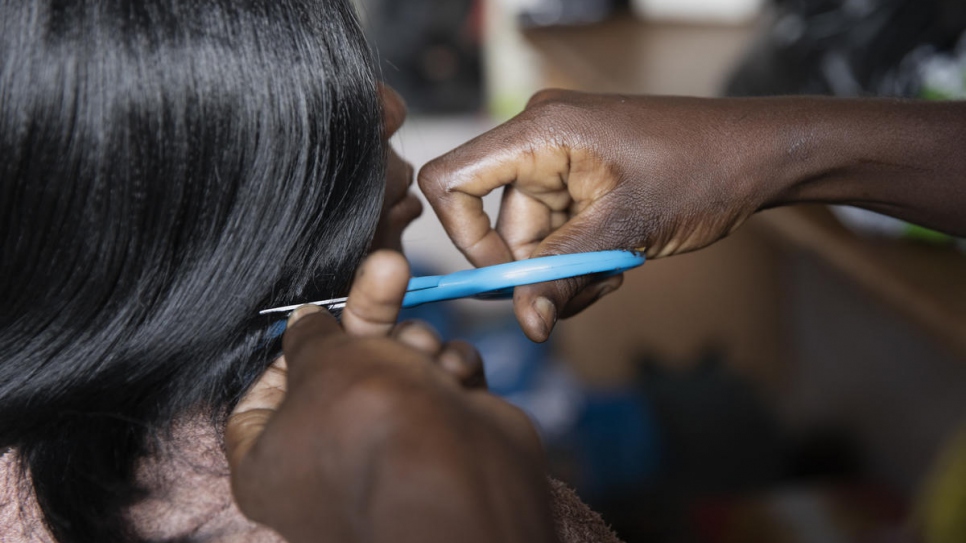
(167, 169)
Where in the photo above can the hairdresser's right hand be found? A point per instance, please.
(589, 172)
(370, 431)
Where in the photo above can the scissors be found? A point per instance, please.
(498, 282)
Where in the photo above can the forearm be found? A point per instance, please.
(906, 159)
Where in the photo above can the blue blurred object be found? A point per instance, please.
(617, 443)
(568, 12)
(603, 441)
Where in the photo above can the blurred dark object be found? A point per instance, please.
(569, 12)
(719, 435)
(827, 453)
(718, 438)
(429, 51)
(847, 47)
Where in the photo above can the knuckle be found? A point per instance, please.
(380, 399)
(540, 97)
(464, 352)
(418, 334)
(570, 287)
(557, 112)
(432, 177)
(298, 346)
(545, 95)
(465, 348)
(398, 392)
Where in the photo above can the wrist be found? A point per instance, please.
(817, 148)
(785, 147)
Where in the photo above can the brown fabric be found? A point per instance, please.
(191, 498)
(575, 522)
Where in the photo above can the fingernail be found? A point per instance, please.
(547, 312)
(300, 312)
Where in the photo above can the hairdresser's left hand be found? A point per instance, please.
(373, 431)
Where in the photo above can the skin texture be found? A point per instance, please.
(377, 431)
(370, 432)
(667, 175)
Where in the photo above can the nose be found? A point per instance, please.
(393, 109)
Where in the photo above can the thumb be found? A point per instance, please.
(376, 295)
(538, 306)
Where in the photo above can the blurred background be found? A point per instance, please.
(803, 380)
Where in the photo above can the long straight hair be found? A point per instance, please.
(167, 169)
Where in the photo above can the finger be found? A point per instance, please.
(548, 95)
(463, 362)
(376, 295)
(538, 306)
(418, 335)
(454, 184)
(247, 421)
(310, 330)
(268, 391)
(523, 222)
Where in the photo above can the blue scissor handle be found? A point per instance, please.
(498, 281)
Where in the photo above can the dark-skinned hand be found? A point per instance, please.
(666, 175)
(373, 431)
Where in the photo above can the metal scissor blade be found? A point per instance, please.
(334, 303)
(415, 284)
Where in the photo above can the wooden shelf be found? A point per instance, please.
(624, 55)
(925, 283)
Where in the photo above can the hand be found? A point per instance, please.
(584, 172)
(378, 432)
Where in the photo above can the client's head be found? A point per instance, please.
(169, 168)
